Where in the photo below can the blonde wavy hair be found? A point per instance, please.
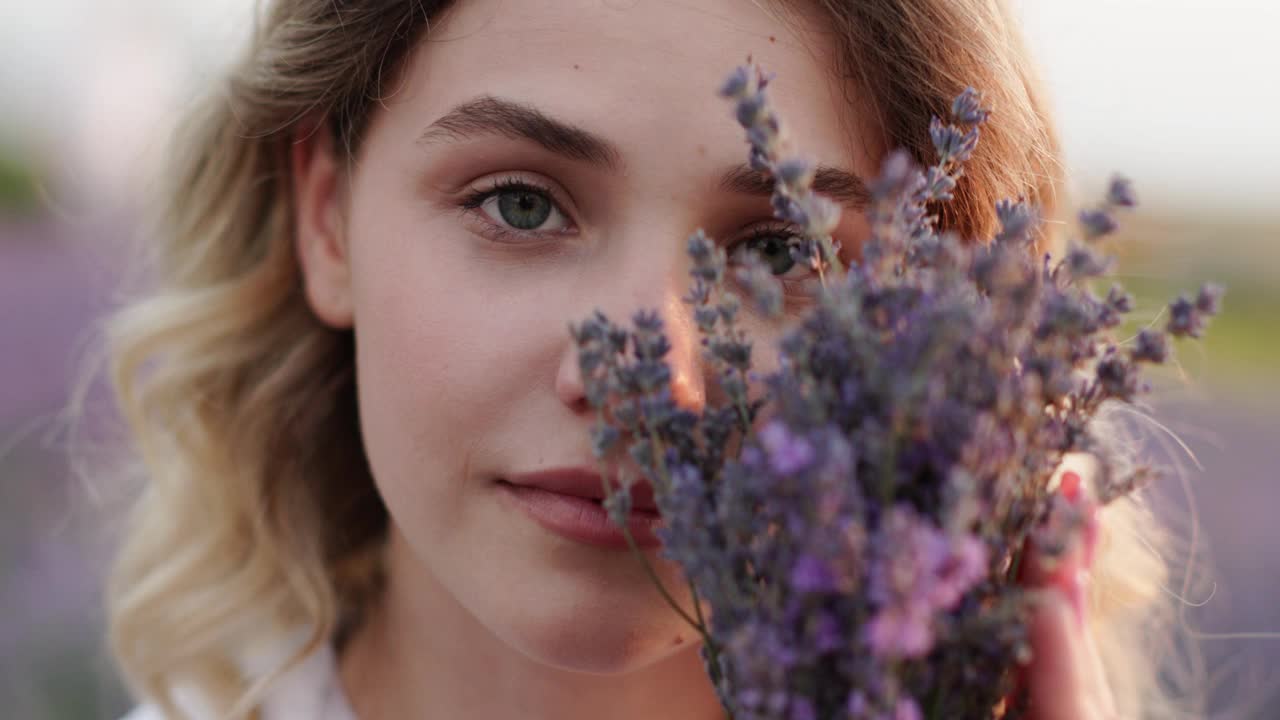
(258, 512)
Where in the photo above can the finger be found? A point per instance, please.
(1066, 572)
(1059, 680)
(1085, 657)
(1073, 656)
(1099, 686)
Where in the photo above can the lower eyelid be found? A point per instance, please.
(487, 228)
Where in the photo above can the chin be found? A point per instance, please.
(604, 645)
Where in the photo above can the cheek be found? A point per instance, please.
(426, 357)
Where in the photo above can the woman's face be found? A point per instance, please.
(537, 161)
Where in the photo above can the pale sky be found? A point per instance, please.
(1181, 95)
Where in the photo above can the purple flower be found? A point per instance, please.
(1117, 376)
(1120, 192)
(966, 108)
(952, 143)
(1097, 223)
(788, 454)
(827, 632)
(1187, 318)
(857, 704)
(843, 544)
(1118, 300)
(752, 110)
(901, 631)
(964, 566)
(910, 553)
(1082, 262)
(1209, 299)
(821, 216)
(603, 437)
(802, 709)
(939, 185)
(740, 83)
(797, 172)
(907, 709)
(1151, 346)
(921, 570)
(811, 574)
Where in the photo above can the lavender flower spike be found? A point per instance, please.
(771, 153)
(966, 108)
(856, 549)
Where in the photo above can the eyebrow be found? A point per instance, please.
(842, 186)
(490, 115)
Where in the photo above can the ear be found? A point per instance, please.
(319, 220)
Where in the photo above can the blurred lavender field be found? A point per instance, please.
(90, 90)
(52, 660)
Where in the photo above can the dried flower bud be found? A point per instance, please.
(751, 110)
(1209, 299)
(1082, 262)
(1186, 318)
(1120, 192)
(603, 437)
(1119, 300)
(1151, 346)
(952, 143)
(822, 215)
(788, 454)
(740, 83)
(966, 109)
(764, 288)
(705, 317)
(1097, 223)
(1017, 221)
(795, 172)
(939, 185)
(618, 504)
(1117, 376)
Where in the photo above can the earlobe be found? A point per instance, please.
(320, 239)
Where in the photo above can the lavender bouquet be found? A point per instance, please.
(856, 530)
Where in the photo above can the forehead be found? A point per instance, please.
(643, 74)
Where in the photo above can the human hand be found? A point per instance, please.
(1066, 679)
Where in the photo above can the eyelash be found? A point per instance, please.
(474, 200)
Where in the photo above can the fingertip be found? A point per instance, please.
(1069, 485)
(1063, 569)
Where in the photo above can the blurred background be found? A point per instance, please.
(1179, 95)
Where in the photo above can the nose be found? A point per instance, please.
(656, 283)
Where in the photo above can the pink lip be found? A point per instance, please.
(567, 502)
(583, 482)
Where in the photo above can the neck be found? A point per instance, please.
(421, 654)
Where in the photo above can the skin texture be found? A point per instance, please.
(465, 368)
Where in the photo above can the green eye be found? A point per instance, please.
(777, 252)
(774, 247)
(517, 209)
(522, 209)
